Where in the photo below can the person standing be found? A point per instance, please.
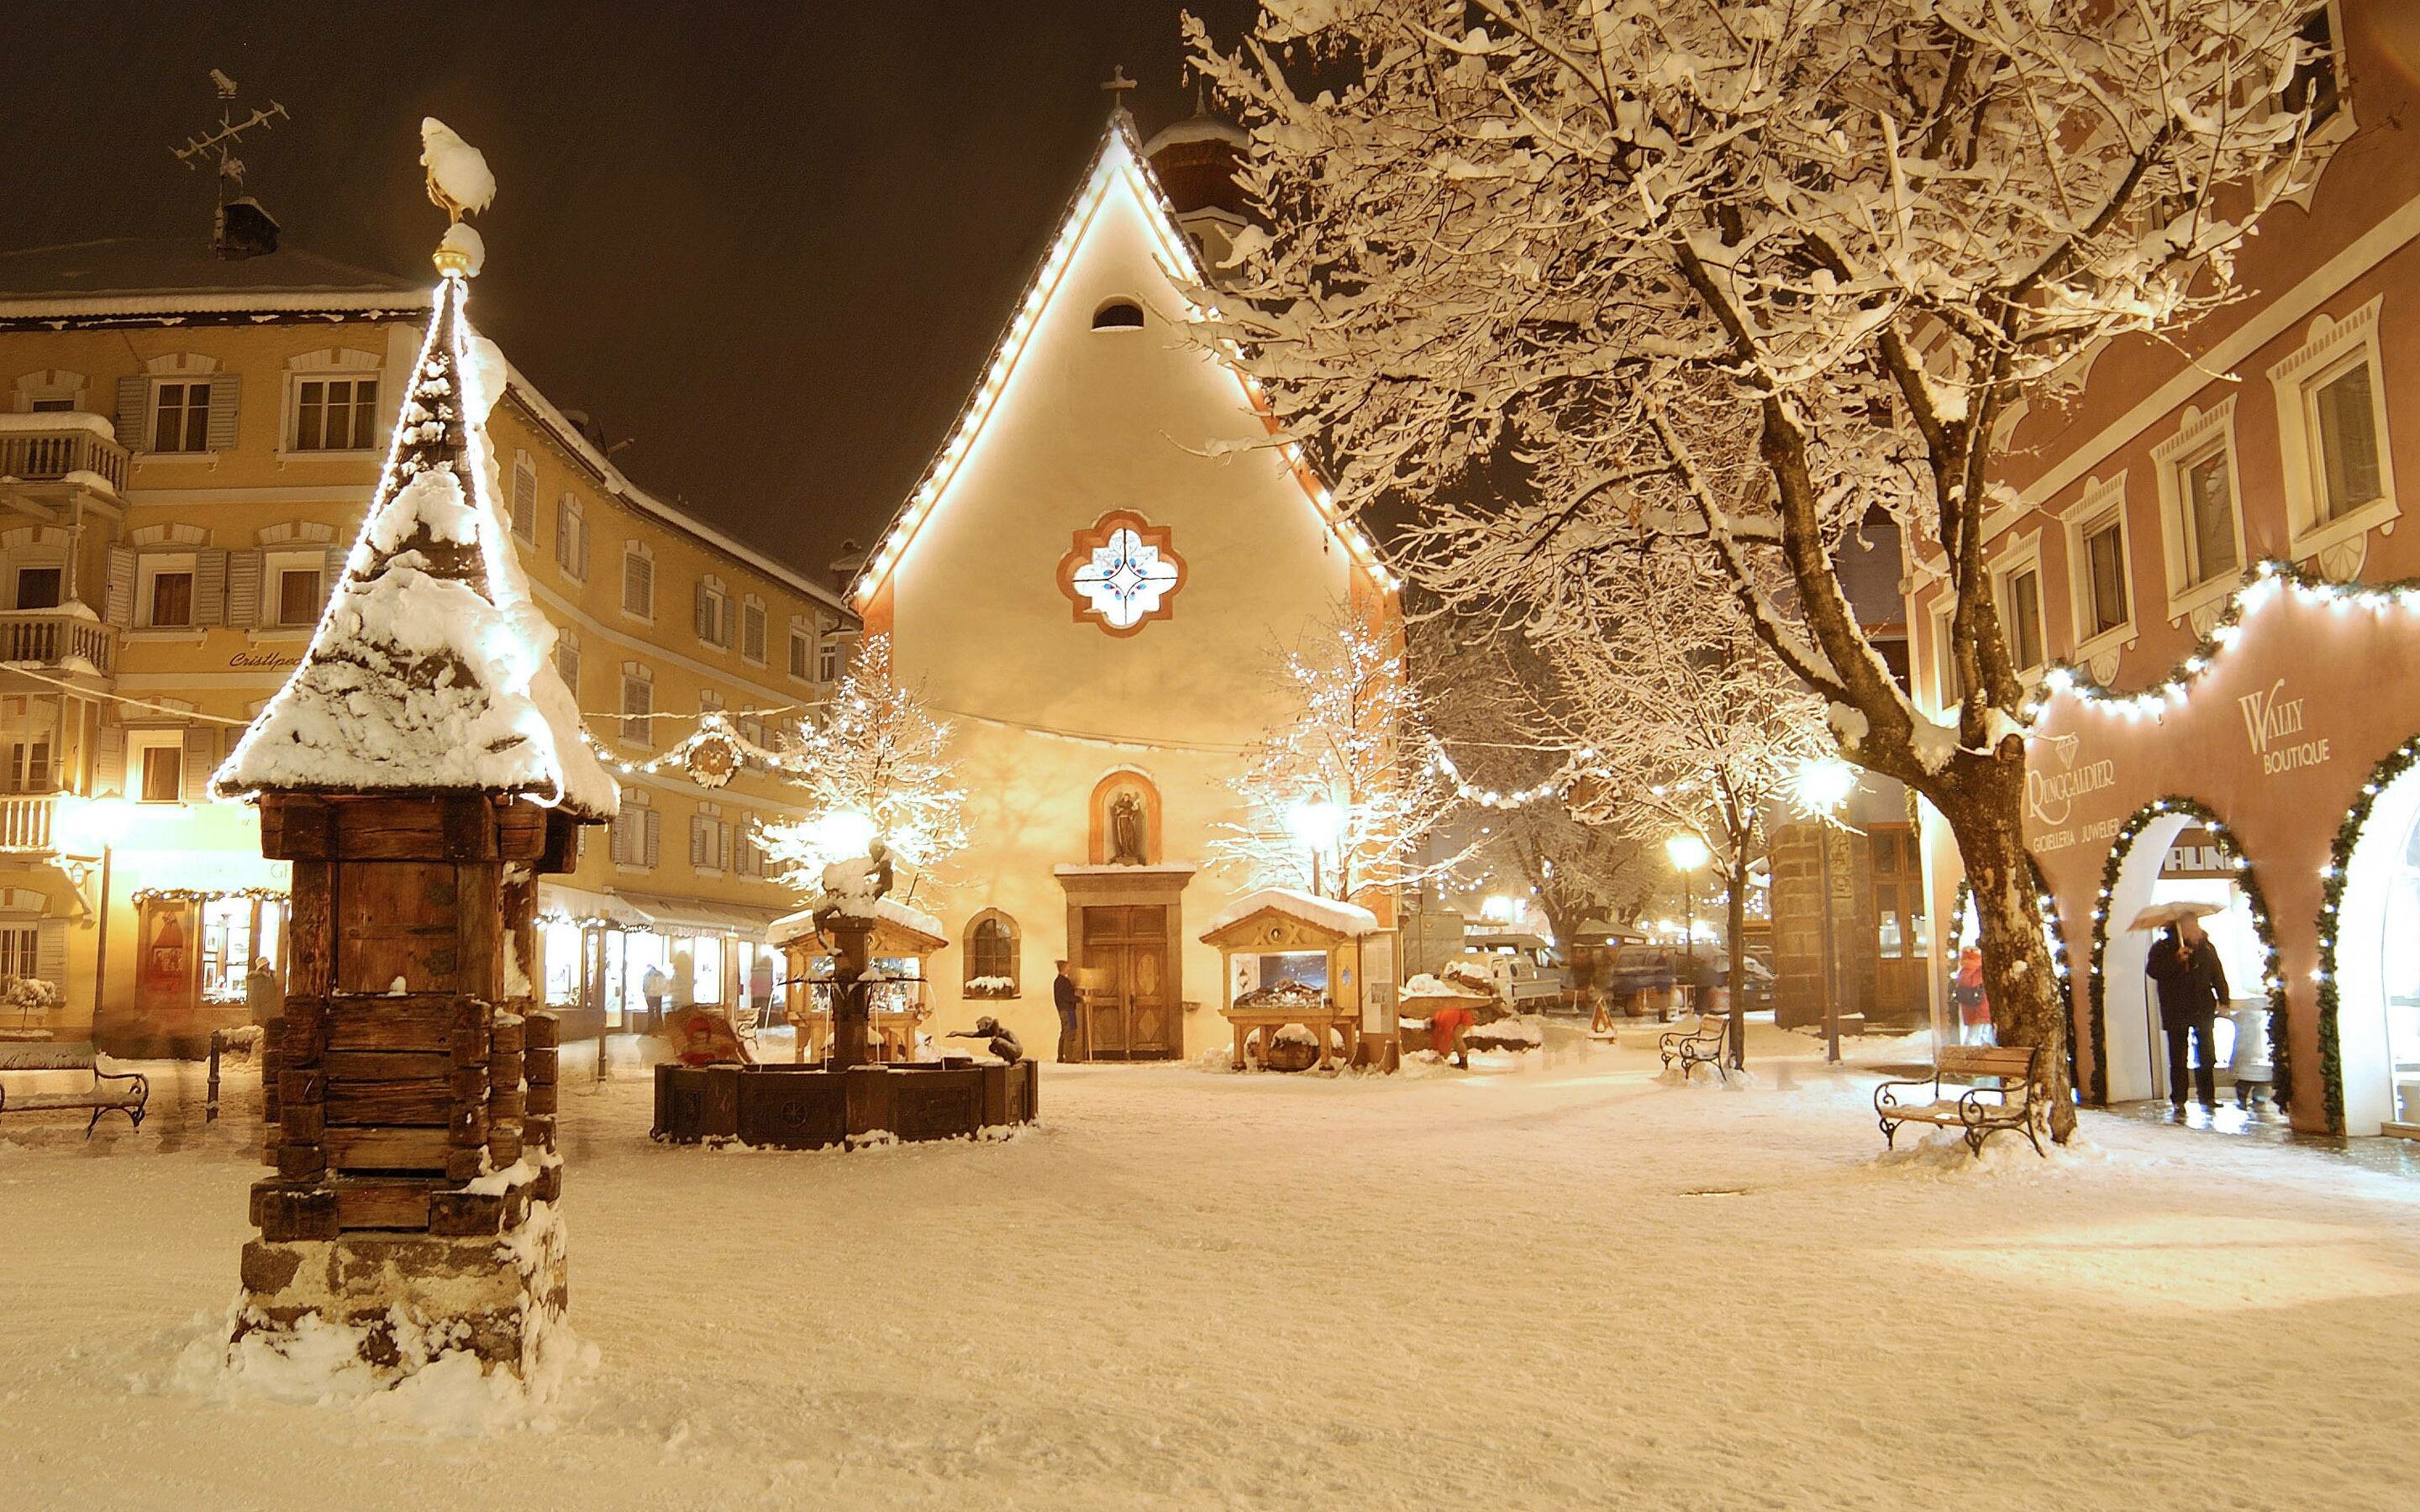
(655, 986)
(263, 998)
(1974, 1002)
(2192, 988)
(1064, 993)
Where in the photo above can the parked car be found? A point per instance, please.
(1524, 968)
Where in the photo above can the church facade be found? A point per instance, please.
(1092, 583)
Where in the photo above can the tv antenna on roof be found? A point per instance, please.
(230, 132)
(242, 228)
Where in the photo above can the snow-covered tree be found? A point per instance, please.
(1576, 272)
(1692, 726)
(871, 762)
(1484, 689)
(1341, 795)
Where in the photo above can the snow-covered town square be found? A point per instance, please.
(1248, 753)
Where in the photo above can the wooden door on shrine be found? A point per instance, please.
(1129, 1014)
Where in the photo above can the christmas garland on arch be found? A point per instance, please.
(2054, 937)
(2272, 981)
(2399, 763)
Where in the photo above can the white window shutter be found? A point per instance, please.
(335, 573)
(134, 413)
(525, 497)
(244, 589)
(210, 587)
(223, 411)
(109, 764)
(51, 950)
(119, 610)
(201, 757)
(655, 838)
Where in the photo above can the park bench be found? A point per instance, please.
(127, 1098)
(1692, 1048)
(2008, 1102)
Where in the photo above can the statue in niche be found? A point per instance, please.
(1126, 830)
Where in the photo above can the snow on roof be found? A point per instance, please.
(888, 910)
(1119, 159)
(1197, 129)
(431, 671)
(1349, 919)
(137, 275)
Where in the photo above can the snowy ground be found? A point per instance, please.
(1551, 1281)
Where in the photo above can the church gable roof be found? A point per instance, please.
(1119, 165)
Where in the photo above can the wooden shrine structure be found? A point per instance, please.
(1265, 939)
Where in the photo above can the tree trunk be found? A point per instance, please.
(1735, 930)
(1983, 800)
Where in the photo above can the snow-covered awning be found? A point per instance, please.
(1350, 920)
(701, 915)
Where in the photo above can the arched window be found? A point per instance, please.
(992, 956)
(1118, 314)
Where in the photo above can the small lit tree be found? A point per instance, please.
(871, 763)
(1339, 796)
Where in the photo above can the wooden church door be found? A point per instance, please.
(1128, 1015)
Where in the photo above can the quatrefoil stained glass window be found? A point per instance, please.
(1122, 573)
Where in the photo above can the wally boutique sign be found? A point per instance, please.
(2274, 724)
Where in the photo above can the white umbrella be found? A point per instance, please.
(2160, 916)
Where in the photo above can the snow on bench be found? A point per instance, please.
(128, 1099)
(2012, 1103)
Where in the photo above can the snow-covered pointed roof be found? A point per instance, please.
(431, 671)
(1119, 166)
(1350, 920)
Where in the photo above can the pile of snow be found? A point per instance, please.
(1350, 920)
(1426, 985)
(459, 169)
(1529, 1030)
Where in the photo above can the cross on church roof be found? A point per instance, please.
(1117, 87)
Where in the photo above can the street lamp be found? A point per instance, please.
(1318, 823)
(1688, 853)
(1821, 786)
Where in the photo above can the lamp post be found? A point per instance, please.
(1821, 787)
(1317, 823)
(1688, 853)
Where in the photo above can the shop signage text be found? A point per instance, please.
(2049, 795)
(2271, 722)
(271, 659)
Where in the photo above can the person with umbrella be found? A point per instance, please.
(2192, 988)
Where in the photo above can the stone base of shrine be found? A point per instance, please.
(410, 1296)
(809, 1108)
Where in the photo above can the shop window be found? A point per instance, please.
(992, 958)
(706, 970)
(38, 587)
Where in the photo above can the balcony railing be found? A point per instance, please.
(25, 821)
(66, 443)
(58, 638)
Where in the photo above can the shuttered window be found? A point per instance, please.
(335, 414)
(752, 631)
(801, 653)
(172, 599)
(638, 702)
(570, 537)
(180, 417)
(638, 584)
(566, 660)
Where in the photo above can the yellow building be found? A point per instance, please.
(187, 446)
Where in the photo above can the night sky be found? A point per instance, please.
(771, 242)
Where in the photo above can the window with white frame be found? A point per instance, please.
(2019, 589)
(2201, 526)
(155, 766)
(180, 415)
(2316, 83)
(294, 587)
(29, 762)
(163, 589)
(751, 629)
(828, 660)
(746, 856)
(2332, 427)
(710, 840)
(802, 650)
(524, 499)
(571, 536)
(638, 703)
(2098, 565)
(39, 585)
(638, 581)
(713, 613)
(637, 830)
(335, 414)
